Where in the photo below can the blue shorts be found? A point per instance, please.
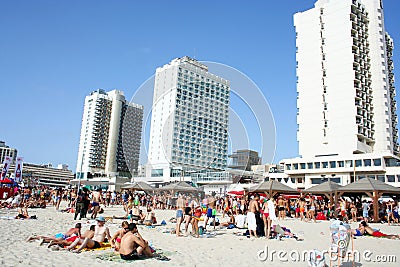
(179, 214)
(358, 233)
(210, 213)
(60, 235)
(365, 214)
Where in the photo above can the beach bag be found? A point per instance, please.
(201, 230)
(320, 216)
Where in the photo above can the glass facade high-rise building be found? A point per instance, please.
(345, 83)
(110, 136)
(189, 124)
(243, 159)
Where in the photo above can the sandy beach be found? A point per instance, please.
(223, 247)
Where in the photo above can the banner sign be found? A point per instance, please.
(18, 169)
(6, 166)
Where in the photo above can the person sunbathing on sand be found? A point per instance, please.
(116, 239)
(23, 213)
(100, 234)
(360, 231)
(60, 236)
(377, 233)
(67, 242)
(133, 245)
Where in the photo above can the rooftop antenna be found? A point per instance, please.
(194, 53)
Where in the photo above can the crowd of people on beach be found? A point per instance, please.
(256, 215)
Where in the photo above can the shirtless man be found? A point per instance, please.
(100, 234)
(96, 201)
(27, 194)
(243, 204)
(133, 245)
(211, 211)
(281, 208)
(251, 217)
(180, 205)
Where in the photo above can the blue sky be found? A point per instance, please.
(53, 53)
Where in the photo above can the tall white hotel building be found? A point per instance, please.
(110, 136)
(189, 124)
(347, 122)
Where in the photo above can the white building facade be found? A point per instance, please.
(189, 124)
(345, 94)
(6, 151)
(110, 136)
(346, 116)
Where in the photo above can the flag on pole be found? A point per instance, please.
(6, 166)
(18, 169)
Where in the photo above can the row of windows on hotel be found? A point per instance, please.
(334, 164)
(389, 178)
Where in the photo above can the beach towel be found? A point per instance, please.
(111, 256)
(271, 208)
(251, 221)
(104, 246)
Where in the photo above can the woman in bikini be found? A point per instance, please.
(116, 239)
(266, 219)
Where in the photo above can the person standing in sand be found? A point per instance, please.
(251, 215)
(302, 204)
(281, 208)
(266, 219)
(211, 211)
(96, 201)
(180, 205)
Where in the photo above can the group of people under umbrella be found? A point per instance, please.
(372, 188)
